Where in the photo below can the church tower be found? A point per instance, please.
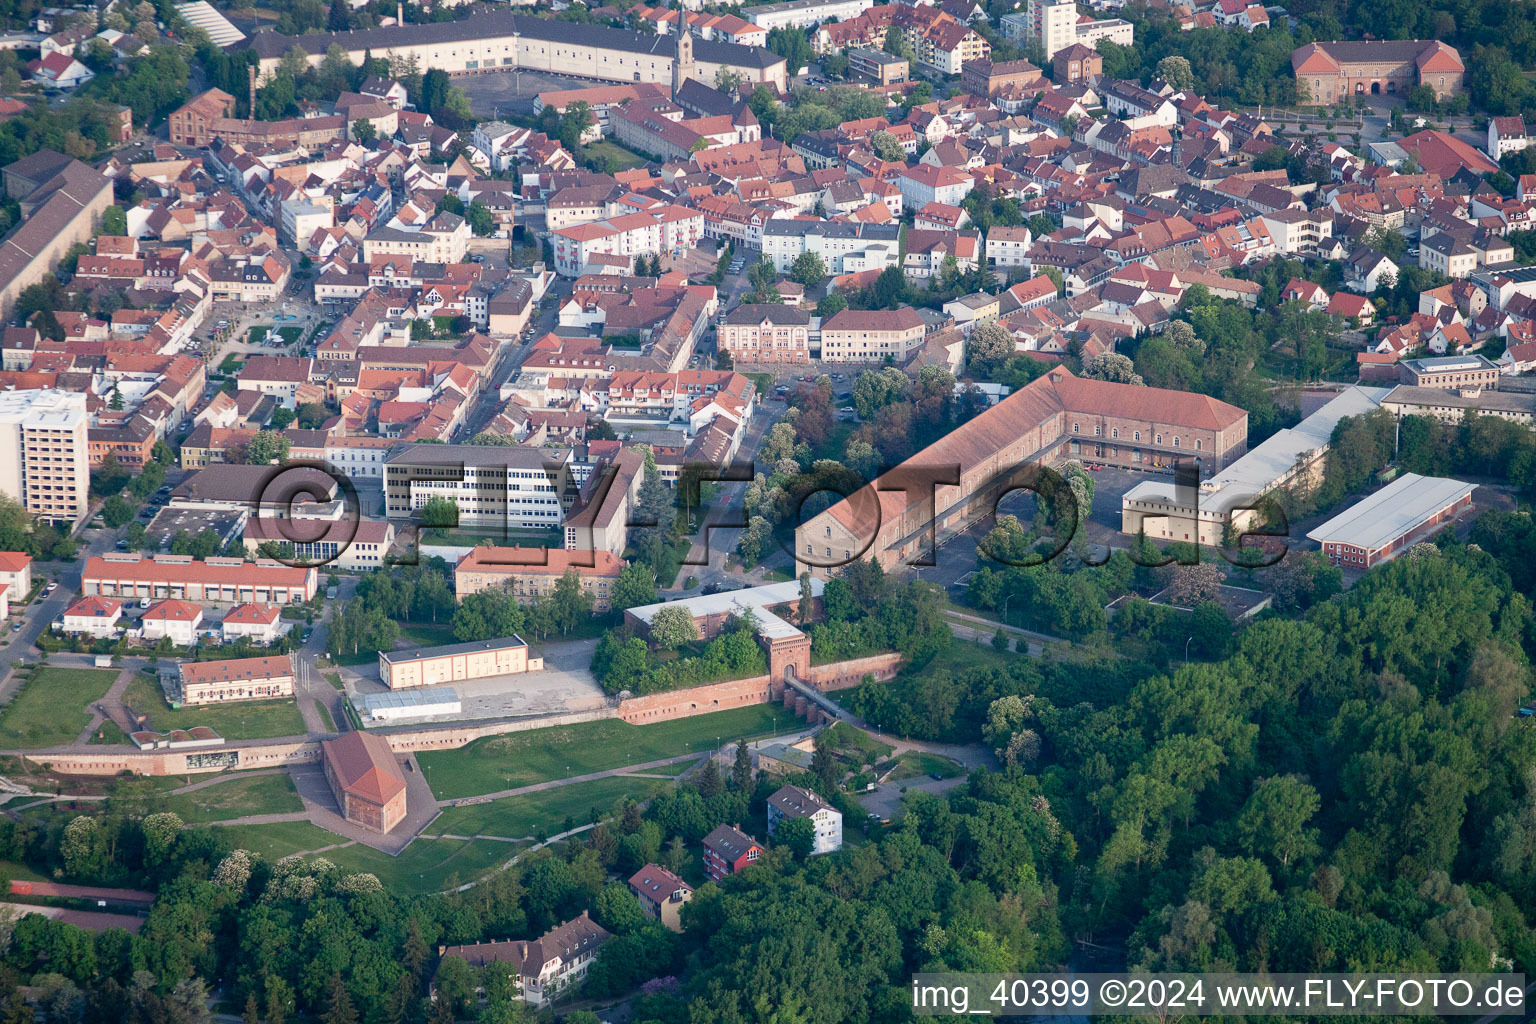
(682, 66)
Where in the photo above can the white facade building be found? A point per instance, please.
(791, 802)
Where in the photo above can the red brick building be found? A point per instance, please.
(366, 780)
(728, 850)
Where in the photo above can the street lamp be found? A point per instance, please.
(1186, 650)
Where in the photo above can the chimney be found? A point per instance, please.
(400, 13)
(252, 113)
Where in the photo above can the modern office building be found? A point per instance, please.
(491, 485)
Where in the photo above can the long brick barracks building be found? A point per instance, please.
(1059, 416)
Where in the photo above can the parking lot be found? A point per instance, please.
(564, 684)
(498, 94)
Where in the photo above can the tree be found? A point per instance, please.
(363, 130)
(1191, 585)
(635, 586)
(990, 345)
(798, 835)
(835, 303)
(794, 46)
(808, 269)
(886, 146)
(267, 447)
(481, 221)
(116, 511)
(577, 119)
(1112, 366)
(741, 768)
(824, 765)
(440, 512)
(1273, 822)
(114, 221)
(434, 90)
(672, 627)
(1177, 72)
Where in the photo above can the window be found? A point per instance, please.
(1198, 444)
(1137, 436)
(1158, 439)
(1176, 442)
(1074, 428)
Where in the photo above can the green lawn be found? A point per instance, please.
(428, 634)
(258, 794)
(846, 739)
(544, 812)
(672, 770)
(108, 734)
(325, 716)
(256, 335)
(521, 759)
(243, 720)
(919, 764)
(282, 838)
(231, 364)
(427, 865)
(624, 158)
(291, 333)
(50, 710)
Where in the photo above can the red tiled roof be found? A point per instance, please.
(365, 766)
(174, 610)
(236, 669)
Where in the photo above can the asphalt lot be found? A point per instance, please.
(564, 684)
(500, 93)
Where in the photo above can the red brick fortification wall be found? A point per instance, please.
(655, 707)
(697, 700)
(841, 675)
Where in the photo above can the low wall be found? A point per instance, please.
(842, 675)
(646, 710)
(697, 700)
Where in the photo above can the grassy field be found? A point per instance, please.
(290, 333)
(108, 734)
(246, 720)
(544, 812)
(256, 335)
(259, 794)
(282, 838)
(521, 759)
(325, 716)
(855, 743)
(231, 364)
(623, 157)
(428, 634)
(916, 764)
(427, 865)
(50, 710)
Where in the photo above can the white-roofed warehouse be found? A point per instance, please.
(1385, 524)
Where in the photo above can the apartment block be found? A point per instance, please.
(530, 574)
(45, 452)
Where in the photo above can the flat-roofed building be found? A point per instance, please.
(216, 682)
(530, 574)
(404, 705)
(1165, 509)
(491, 485)
(877, 66)
(345, 543)
(205, 581)
(366, 779)
(1457, 373)
(1387, 523)
(453, 663)
(45, 461)
(1452, 406)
